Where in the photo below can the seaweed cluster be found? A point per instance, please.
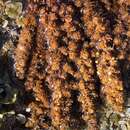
(69, 56)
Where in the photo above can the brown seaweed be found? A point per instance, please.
(75, 50)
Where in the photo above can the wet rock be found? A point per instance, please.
(123, 127)
(1, 7)
(5, 23)
(8, 95)
(28, 109)
(1, 90)
(21, 118)
(3, 37)
(8, 121)
(128, 124)
(108, 113)
(1, 82)
(104, 125)
(8, 46)
(128, 102)
(128, 112)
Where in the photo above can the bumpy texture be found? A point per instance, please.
(69, 55)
